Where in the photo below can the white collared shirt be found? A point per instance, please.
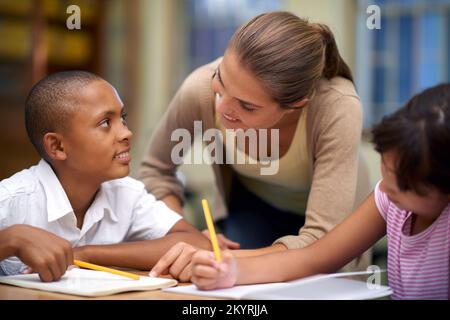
(121, 211)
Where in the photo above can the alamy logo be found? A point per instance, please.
(74, 20)
(374, 20)
(212, 152)
(374, 280)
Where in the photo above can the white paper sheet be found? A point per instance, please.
(89, 283)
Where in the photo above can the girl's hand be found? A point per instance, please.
(224, 242)
(207, 274)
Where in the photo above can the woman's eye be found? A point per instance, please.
(246, 107)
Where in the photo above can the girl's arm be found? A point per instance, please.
(334, 125)
(349, 239)
(277, 247)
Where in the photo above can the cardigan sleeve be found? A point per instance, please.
(335, 139)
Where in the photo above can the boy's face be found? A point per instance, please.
(97, 141)
(429, 205)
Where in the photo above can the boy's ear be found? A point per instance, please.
(54, 147)
(298, 104)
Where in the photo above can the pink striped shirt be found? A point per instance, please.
(418, 265)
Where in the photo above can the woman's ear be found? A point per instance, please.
(297, 105)
(54, 147)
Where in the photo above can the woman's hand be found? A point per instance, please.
(208, 274)
(176, 262)
(224, 242)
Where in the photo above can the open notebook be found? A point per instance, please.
(319, 287)
(88, 283)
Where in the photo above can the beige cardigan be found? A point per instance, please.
(333, 130)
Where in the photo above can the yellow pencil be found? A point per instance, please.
(212, 232)
(87, 265)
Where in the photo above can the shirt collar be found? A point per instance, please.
(58, 204)
(102, 204)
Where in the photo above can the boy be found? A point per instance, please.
(77, 203)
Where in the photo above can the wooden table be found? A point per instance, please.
(8, 292)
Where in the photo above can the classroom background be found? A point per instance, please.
(145, 48)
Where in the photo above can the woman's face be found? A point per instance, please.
(241, 100)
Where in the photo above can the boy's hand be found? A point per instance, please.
(208, 274)
(43, 252)
(224, 242)
(176, 262)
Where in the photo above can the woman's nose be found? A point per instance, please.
(224, 104)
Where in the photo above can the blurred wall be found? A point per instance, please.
(338, 15)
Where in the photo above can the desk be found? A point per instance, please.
(8, 292)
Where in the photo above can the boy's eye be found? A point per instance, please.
(105, 123)
(123, 117)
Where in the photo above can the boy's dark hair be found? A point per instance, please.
(419, 133)
(51, 102)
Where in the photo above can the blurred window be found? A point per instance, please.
(213, 22)
(409, 53)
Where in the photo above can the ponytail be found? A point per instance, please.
(334, 64)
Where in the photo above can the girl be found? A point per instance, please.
(411, 204)
(284, 73)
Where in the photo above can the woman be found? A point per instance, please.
(278, 72)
